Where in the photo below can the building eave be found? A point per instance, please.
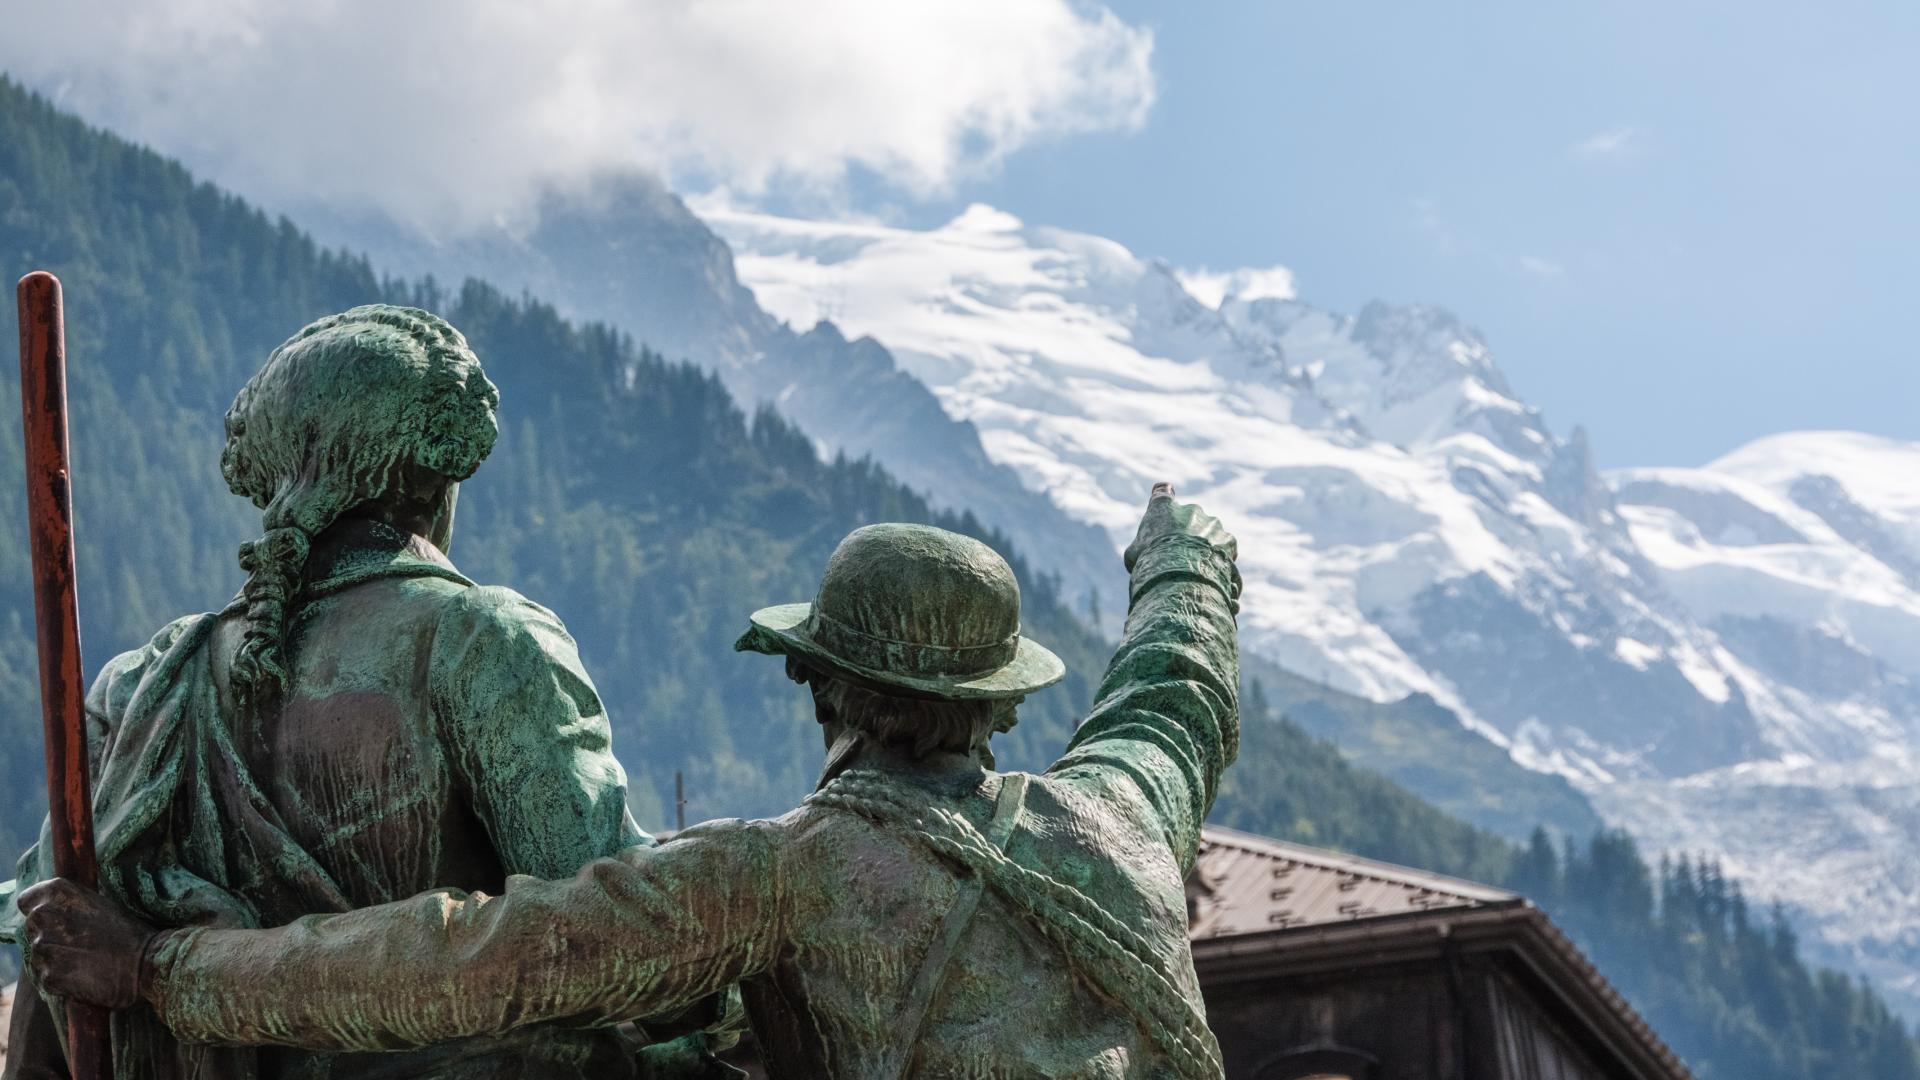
(1516, 928)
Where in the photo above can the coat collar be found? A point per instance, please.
(361, 550)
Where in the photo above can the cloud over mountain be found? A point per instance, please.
(450, 113)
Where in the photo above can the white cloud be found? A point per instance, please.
(1611, 143)
(1539, 267)
(1214, 287)
(447, 113)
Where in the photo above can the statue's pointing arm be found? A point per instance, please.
(645, 933)
(528, 735)
(1167, 719)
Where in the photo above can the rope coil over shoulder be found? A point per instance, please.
(1098, 947)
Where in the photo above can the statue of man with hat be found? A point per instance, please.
(919, 915)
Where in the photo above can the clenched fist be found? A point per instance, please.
(83, 946)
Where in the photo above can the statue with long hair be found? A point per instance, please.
(361, 723)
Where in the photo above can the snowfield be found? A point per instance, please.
(1094, 374)
(1722, 658)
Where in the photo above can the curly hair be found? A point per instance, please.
(349, 411)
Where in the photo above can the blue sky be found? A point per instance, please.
(1684, 224)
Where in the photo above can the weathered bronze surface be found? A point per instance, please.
(361, 724)
(919, 915)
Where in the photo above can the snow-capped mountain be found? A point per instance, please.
(629, 253)
(1384, 481)
(1718, 657)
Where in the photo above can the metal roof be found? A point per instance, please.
(1247, 884)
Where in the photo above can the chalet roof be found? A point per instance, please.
(1247, 884)
(1258, 906)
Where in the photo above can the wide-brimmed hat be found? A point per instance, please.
(914, 610)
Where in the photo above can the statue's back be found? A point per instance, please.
(870, 900)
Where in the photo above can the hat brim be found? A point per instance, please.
(781, 630)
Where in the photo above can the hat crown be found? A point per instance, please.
(918, 600)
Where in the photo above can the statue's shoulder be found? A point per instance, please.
(488, 639)
(186, 632)
(761, 847)
(121, 676)
(482, 606)
(187, 629)
(820, 839)
(905, 809)
(807, 823)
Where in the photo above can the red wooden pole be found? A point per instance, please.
(43, 408)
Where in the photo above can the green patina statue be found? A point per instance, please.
(361, 724)
(919, 915)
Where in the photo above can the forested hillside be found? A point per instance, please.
(1422, 746)
(1727, 990)
(633, 496)
(629, 494)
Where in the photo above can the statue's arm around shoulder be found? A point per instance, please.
(645, 933)
(527, 733)
(1167, 719)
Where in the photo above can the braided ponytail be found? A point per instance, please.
(273, 564)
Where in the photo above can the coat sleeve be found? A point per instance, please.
(1167, 719)
(528, 735)
(644, 933)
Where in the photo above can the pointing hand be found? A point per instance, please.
(1165, 518)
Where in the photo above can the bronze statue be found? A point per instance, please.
(361, 723)
(919, 915)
